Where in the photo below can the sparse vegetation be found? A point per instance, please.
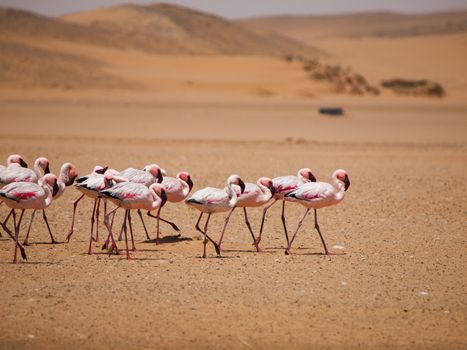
(420, 87)
(343, 80)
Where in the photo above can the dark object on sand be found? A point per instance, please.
(334, 111)
(421, 87)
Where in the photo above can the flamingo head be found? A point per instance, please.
(51, 181)
(267, 182)
(43, 163)
(99, 169)
(185, 176)
(108, 180)
(16, 159)
(68, 174)
(155, 171)
(307, 174)
(112, 176)
(342, 175)
(236, 180)
(160, 192)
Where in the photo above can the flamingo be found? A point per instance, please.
(255, 195)
(318, 195)
(211, 200)
(66, 178)
(152, 173)
(27, 195)
(283, 185)
(20, 174)
(97, 171)
(13, 160)
(91, 188)
(131, 196)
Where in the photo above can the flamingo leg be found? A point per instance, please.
(44, 216)
(75, 204)
(133, 248)
(225, 226)
(265, 209)
(92, 227)
(126, 236)
(283, 222)
(144, 225)
(251, 231)
(97, 219)
(17, 227)
(206, 236)
(175, 227)
(289, 245)
(12, 236)
(109, 228)
(158, 223)
(326, 251)
(26, 240)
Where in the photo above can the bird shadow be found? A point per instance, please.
(27, 262)
(43, 243)
(169, 239)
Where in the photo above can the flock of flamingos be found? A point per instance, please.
(148, 190)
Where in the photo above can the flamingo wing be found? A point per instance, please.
(22, 191)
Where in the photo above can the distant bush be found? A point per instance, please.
(421, 87)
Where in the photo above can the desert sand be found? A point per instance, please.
(400, 280)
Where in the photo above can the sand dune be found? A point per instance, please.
(386, 45)
(377, 24)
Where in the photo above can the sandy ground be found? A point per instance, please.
(400, 284)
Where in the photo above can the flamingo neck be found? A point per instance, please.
(232, 195)
(186, 188)
(38, 170)
(48, 191)
(266, 191)
(340, 190)
(157, 201)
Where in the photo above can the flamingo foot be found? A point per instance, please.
(258, 249)
(287, 252)
(68, 237)
(217, 247)
(26, 243)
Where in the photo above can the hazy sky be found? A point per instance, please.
(246, 8)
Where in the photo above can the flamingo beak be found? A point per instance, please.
(47, 169)
(55, 188)
(163, 197)
(102, 171)
(190, 183)
(70, 181)
(346, 183)
(242, 186)
(23, 163)
(159, 177)
(312, 177)
(272, 189)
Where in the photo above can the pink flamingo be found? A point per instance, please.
(98, 171)
(318, 195)
(211, 200)
(27, 195)
(255, 195)
(283, 185)
(177, 188)
(13, 160)
(20, 174)
(66, 178)
(131, 196)
(152, 173)
(91, 188)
